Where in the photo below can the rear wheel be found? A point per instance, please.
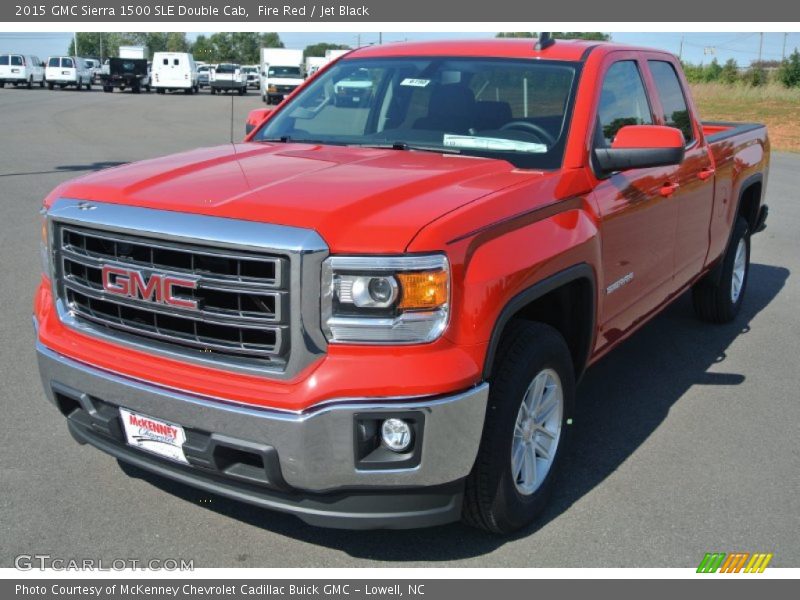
(50, 85)
(41, 82)
(525, 433)
(108, 89)
(718, 296)
(30, 83)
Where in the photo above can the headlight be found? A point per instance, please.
(385, 299)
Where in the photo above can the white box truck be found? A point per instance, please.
(281, 73)
(134, 52)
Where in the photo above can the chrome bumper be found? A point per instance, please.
(315, 449)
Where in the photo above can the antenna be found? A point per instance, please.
(544, 41)
(232, 95)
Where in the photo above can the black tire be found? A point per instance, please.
(213, 91)
(159, 90)
(108, 89)
(30, 84)
(42, 82)
(242, 91)
(2, 84)
(712, 296)
(50, 85)
(492, 500)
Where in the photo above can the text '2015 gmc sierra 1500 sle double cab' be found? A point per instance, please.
(374, 314)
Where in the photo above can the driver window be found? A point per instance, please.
(623, 101)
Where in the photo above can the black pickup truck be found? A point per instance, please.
(132, 73)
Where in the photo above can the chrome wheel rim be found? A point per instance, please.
(739, 270)
(537, 431)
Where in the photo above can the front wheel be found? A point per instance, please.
(717, 297)
(526, 430)
(30, 83)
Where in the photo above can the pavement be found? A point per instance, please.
(685, 438)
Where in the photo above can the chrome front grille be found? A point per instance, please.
(248, 293)
(241, 298)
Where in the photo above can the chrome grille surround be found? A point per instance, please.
(257, 285)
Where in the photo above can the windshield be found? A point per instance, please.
(516, 110)
(293, 72)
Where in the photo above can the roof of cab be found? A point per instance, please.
(569, 50)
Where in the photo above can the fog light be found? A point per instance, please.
(396, 435)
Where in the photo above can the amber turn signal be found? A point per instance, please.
(422, 290)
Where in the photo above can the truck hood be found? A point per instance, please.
(357, 199)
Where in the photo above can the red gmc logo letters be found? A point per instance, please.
(158, 288)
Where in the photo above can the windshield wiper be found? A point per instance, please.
(285, 139)
(408, 146)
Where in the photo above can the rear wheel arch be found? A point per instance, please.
(565, 301)
(750, 196)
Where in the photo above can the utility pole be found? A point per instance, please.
(75, 43)
(760, 46)
(380, 38)
(680, 50)
(783, 52)
(358, 40)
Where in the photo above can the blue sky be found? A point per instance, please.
(696, 46)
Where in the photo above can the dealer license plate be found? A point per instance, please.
(154, 435)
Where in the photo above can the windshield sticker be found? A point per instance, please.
(415, 82)
(490, 143)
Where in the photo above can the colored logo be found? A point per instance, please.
(735, 562)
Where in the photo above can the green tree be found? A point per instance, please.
(730, 72)
(320, 48)
(789, 71)
(203, 49)
(177, 42)
(713, 71)
(694, 73)
(242, 47)
(756, 75)
(561, 35)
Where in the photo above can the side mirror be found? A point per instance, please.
(640, 147)
(255, 118)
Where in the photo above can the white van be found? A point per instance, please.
(62, 71)
(21, 69)
(174, 71)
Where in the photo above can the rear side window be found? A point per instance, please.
(166, 61)
(623, 101)
(53, 62)
(676, 113)
(4, 60)
(66, 63)
(16, 61)
(176, 61)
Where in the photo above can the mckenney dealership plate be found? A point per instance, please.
(154, 435)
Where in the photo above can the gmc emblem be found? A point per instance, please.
(157, 288)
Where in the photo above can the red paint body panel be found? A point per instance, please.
(504, 229)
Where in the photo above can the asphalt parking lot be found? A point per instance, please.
(686, 436)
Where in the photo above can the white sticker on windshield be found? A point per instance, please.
(415, 82)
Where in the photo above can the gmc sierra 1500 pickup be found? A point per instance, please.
(374, 313)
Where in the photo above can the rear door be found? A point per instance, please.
(637, 219)
(694, 196)
(5, 66)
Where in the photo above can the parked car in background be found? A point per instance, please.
(281, 73)
(228, 77)
(127, 73)
(21, 69)
(253, 76)
(64, 71)
(203, 72)
(354, 90)
(174, 71)
(95, 68)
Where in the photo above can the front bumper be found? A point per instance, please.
(308, 463)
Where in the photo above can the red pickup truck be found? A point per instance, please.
(374, 313)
